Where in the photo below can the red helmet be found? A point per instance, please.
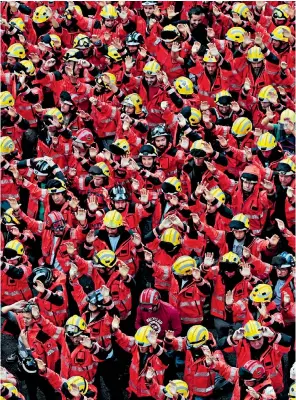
(84, 136)
(55, 221)
(254, 371)
(149, 300)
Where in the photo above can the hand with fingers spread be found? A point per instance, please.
(247, 84)
(40, 364)
(195, 48)
(165, 224)
(263, 310)
(176, 47)
(144, 196)
(70, 248)
(39, 286)
(14, 203)
(211, 167)
(85, 341)
(268, 185)
(229, 298)
(152, 338)
(238, 334)
(115, 323)
(150, 373)
(209, 260)
(129, 63)
(169, 335)
(176, 221)
(199, 190)
(273, 241)
(148, 256)
(123, 269)
(80, 215)
(90, 237)
(267, 332)
(195, 219)
(73, 272)
(73, 203)
(245, 269)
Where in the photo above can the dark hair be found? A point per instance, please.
(198, 10)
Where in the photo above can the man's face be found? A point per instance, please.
(148, 10)
(211, 209)
(65, 108)
(147, 161)
(109, 23)
(256, 344)
(198, 161)
(256, 66)
(129, 110)
(195, 20)
(276, 44)
(285, 180)
(28, 319)
(161, 142)
(143, 349)
(120, 205)
(92, 307)
(150, 79)
(264, 104)
(98, 181)
(11, 60)
(112, 231)
(75, 340)
(239, 234)
(169, 45)
(248, 186)
(224, 109)
(282, 272)
(132, 49)
(230, 274)
(58, 198)
(211, 67)
(14, 261)
(266, 153)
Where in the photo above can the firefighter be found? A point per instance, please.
(8, 390)
(176, 389)
(8, 185)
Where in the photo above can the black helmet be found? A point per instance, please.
(96, 298)
(42, 168)
(159, 130)
(29, 365)
(65, 97)
(43, 274)
(148, 150)
(283, 260)
(134, 39)
(118, 193)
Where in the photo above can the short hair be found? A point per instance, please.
(198, 10)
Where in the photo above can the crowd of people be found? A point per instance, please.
(148, 199)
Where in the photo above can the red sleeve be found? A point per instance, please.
(53, 378)
(84, 23)
(226, 371)
(79, 295)
(36, 227)
(124, 341)
(175, 321)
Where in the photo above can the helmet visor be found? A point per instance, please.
(72, 330)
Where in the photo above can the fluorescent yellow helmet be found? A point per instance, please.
(292, 391)
(7, 145)
(68, 14)
(56, 38)
(75, 325)
(103, 167)
(183, 85)
(266, 92)
(261, 293)
(151, 68)
(55, 112)
(266, 142)
(197, 148)
(109, 12)
(235, 34)
(41, 14)
(12, 389)
(72, 55)
(113, 219)
(120, 147)
(78, 381)
(9, 219)
(30, 68)
(253, 330)
(278, 33)
(105, 258)
(6, 99)
(288, 115)
(218, 194)
(193, 115)
(58, 186)
(112, 77)
(16, 246)
(16, 50)
(209, 58)
(230, 257)
(142, 334)
(81, 41)
(241, 127)
(281, 11)
(197, 336)
(255, 54)
(183, 265)
(287, 166)
(223, 98)
(114, 54)
(172, 236)
(240, 222)
(133, 100)
(241, 9)
(170, 33)
(172, 185)
(181, 388)
(17, 23)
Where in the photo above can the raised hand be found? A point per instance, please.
(166, 223)
(164, 105)
(92, 203)
(247, 84)
(128, 63)
(73, 271)
(196, 274)
(39, 286)
(246, 253)
(195, 48)
(245, 270)
(176, 47)
(80, 215)
(235, 107)
(35, 311)
(115, 323)
(247, 39)
(123, 269)
(90, 237)
(184, 142)
(252, 392)
(229, 298)
(169, 335)
(209, 260)
(105, 291)
(267, 332)
(238, 334)
(210, 33)
(148, 256)
(195, 219)
(73, 203)
(258, 39)
(216, 11)
(222, 141)
(174, 200)
(152, 338)
(13, 203)
(171, 12)
(144, 198)
(85, 341)
(40, 364)
(211, 167)
(268, 185)
(150, 373)
(70, 248)
(213, 50)
(274, 240)
(135, 185)
(280, 224)
(143, 52)
(204, 106)
(263, 310)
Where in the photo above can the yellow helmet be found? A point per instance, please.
(113, 219)
(55, 112)
(7, 145)
(253, 330)
(266, 92)
(78, 381)
(68, 14)
(6, 99)
(281, 11)
(198, 148)
(75, 325)
(141, 336)
(81, 41)
(218, 194)
(12, 389)
(17, 23)
(197, 336)
(171, 185)
(230, 257)
(183, 85)
(170, 33)
(223, 98)
(255, 54)
(105, 258)
(30, 68)
(9, 219)
(261, 293)
(241, 9)
(109, 12)
(209, 58)
(56, 38)
(278, 33)
(286, 166)
(114, 54)
(240, 222)
(288, 114)
(72, 55)
(292, 391)
(193, 115)
(241, 127)
(151, 68)
(16, 50)
(120, 147)
(181, 388)
(266, 142)
(16, 246)
(58, 186)
(183, 265)
(41, 14)
(102, 171)
(172, 236)
(235, 34)
(100, 81)
(133, 100)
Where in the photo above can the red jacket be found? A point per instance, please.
(288, 311)
(106, 120)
